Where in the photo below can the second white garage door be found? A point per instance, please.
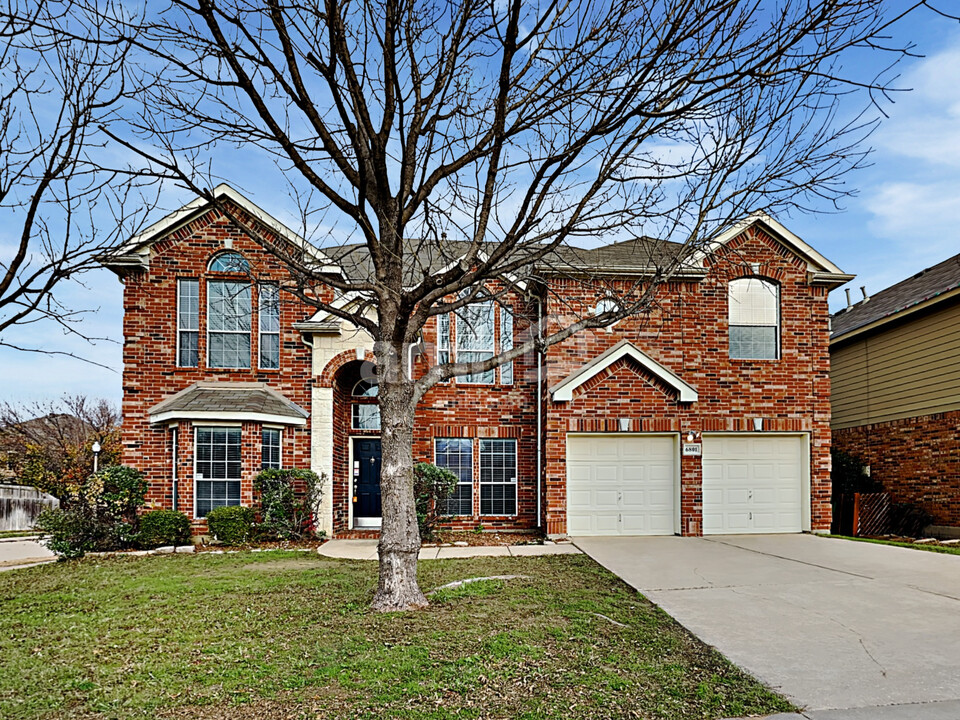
(621, 484)
(753, 484)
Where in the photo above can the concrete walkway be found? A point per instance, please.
(367, 550)
(16, 553)
(846, 630)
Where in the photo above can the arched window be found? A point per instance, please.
(229, 262)
(366, 412)
(754, 314)
(366, 388)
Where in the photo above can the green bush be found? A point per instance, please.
(287, 500)
(99, 514)
(75, 531)
(432, 486)
(163, 527)
(232, 524)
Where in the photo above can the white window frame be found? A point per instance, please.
(355, 405)
(274, 287)
(513, 482)
(485, 378)
(443, 338)
(473, 473)
(180, 329)
(767, 285)
(506, 343)
(196, 474)
(279, 431)
(248, 333)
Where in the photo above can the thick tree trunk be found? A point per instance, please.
(399, 535)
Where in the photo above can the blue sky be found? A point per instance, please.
(903, 219)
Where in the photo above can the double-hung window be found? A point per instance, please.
(475, 339)
(456, 455)
(228, 324)
(218, 466)
(270, 449)
(269, 327)
(188, 322)
(754, 314)
(498, 477)
(506, 343)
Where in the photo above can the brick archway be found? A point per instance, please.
(329, 373)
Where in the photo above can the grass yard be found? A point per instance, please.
(946, 550)
(288, 635)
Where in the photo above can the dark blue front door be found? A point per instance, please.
(366, 478)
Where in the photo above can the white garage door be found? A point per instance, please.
(621, 485)
(753, 484)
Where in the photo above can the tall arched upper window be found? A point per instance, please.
(754, 314)
(229, 262)
(366, 414)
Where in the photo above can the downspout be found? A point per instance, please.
(174, 459)
(539, 414)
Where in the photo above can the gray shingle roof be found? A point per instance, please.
(229, 397)
(905, 294)
(638, 254)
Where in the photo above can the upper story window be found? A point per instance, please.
(754, 314)
(228, 324)
(476, 339)
(229, 262)
(188, 323)
(269, 327)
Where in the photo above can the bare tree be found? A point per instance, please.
(60, 78)
(48, 443)
(454, 146)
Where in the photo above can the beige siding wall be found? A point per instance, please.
(908, 370)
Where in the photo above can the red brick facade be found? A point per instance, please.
(151, 374)
(688, 334)
(917, 460)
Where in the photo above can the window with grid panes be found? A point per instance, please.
(218, 468)
(456, 455)
(498, 477)
(270, 450)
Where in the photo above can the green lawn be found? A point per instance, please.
(953, 550)
(288, 635)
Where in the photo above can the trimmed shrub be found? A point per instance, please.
(432, 487)
(232, 524)
(73, 532)
(163, 527)
(287, 501)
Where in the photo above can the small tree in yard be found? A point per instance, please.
(456, 149)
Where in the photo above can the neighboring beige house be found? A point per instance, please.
(895, 380)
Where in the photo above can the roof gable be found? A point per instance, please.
(819, 267)
(563, 390)
(135, 252)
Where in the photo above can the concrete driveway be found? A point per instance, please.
(828, 623)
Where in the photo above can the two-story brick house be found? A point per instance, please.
(711, 415)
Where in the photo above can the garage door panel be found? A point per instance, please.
(621, 485)
(752, 484)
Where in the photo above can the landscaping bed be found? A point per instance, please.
(289, 635)
(450, 537)
(949, 547)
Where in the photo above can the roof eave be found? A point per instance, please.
(921, 306)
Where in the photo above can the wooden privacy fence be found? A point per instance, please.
(20, 505)
(861, 514)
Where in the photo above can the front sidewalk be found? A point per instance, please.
(367, 550)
